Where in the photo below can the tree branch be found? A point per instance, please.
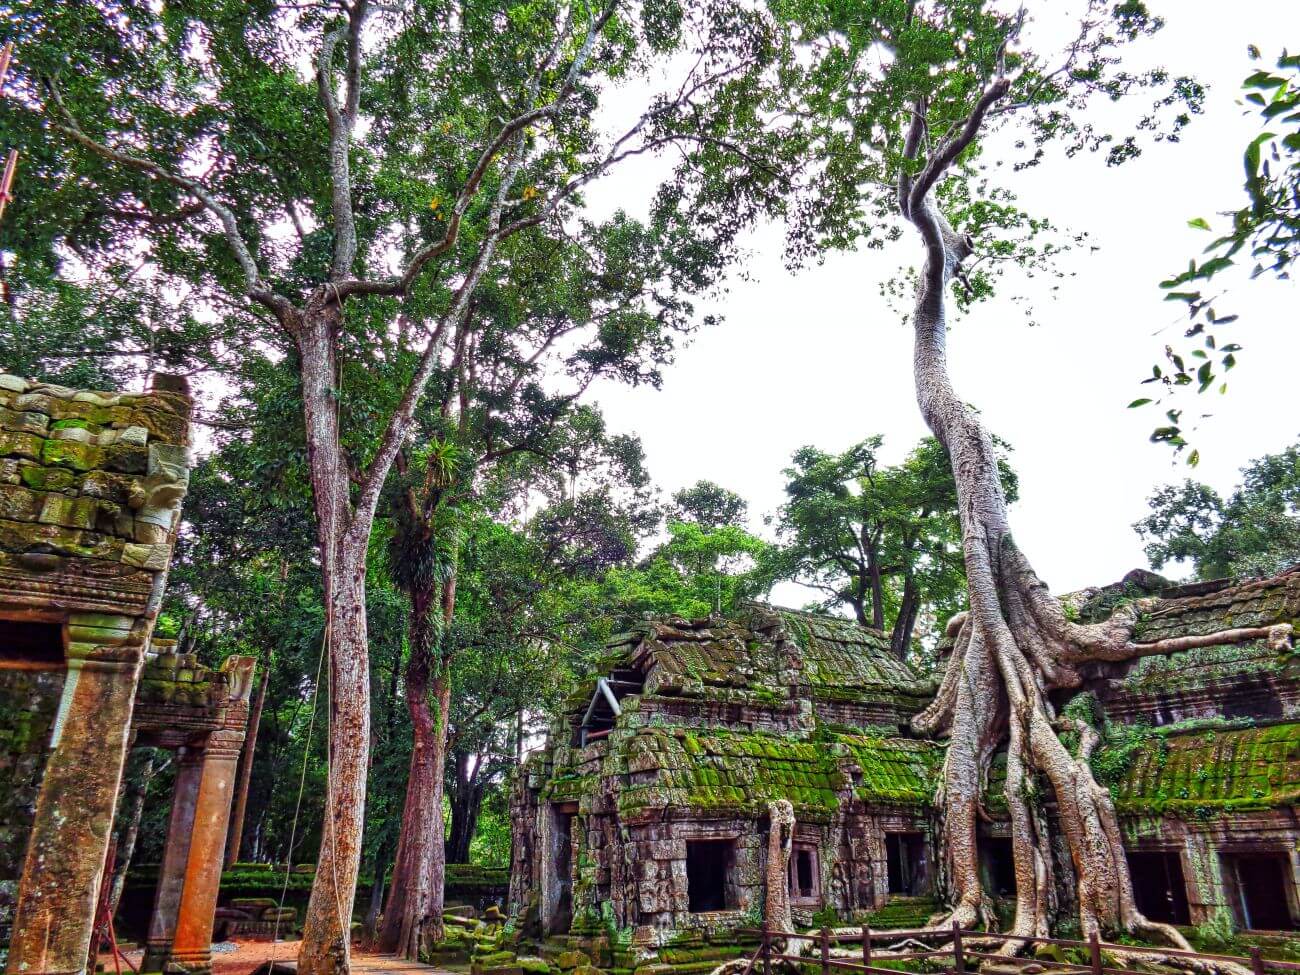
(399, 424)
(253, 285)
(342, 119)
(402, 285)
(938, 164)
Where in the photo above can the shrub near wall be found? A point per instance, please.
(467, 883)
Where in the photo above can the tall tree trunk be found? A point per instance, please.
(244, 774)
(466, 803)
(877, 588)
(900, 639)
(414, 909)
(1012, 648)
(376, 894)
(325, 946)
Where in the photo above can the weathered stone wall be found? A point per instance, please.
(1202, 844)
(90, 492)
(29, 702)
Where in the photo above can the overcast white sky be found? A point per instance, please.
(820, 358)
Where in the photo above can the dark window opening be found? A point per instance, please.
(906, 862)
(1262, 894)
(1159, 888)
(708, 864)
(803, 872)
(999, 865)
(24, 643)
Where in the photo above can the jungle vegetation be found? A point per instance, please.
(360, 228)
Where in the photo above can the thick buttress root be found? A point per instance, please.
(995, 690)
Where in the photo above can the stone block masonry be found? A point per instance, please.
(90, 491)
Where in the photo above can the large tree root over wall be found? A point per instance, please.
(1016, 644)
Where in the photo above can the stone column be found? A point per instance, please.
(192, 946)
(55, 914)
(171, 874)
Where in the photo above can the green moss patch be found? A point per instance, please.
(1207, 771)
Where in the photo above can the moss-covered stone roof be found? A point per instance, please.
(764, 651)
(89, 475)
(1209, 770)
(1204, 666)
(837, 653)
(743, 771)
(1254, 602)
(720, 653)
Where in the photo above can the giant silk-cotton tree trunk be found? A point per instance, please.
(1015, 645)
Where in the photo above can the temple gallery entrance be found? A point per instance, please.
(906, 863)
(559, 899)
(1262, 890)
(708, 866)
(1159, 887)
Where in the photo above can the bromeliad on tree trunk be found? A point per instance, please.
(340, 179)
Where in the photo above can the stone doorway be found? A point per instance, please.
(1159, 887)
(906, 862)
(1262, 891)
(708, 867)
(559, 917)
(998, 865)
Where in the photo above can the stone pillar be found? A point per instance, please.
(192, 946)
(171, 874)
(55, 914)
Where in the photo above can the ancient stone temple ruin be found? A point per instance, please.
(650, 804)
(647, 811)
(90, 493)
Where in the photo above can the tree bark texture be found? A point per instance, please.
(415, 897)
(1012, 648)
(343, 543)
(780, 840)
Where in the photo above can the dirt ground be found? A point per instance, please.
(246, 957)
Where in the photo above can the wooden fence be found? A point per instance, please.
(963, 948)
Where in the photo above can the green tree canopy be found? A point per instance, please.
(883, 541)
(1254, 531)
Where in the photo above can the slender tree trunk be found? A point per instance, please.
(466, 802)
(376, 895)
(132, 811)
(244, 775)
(900, 639)
(343, 544)
(442, 698)
(877, 590)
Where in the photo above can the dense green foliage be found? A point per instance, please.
(883, 541)
(1254, 531)
(1264, 233)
